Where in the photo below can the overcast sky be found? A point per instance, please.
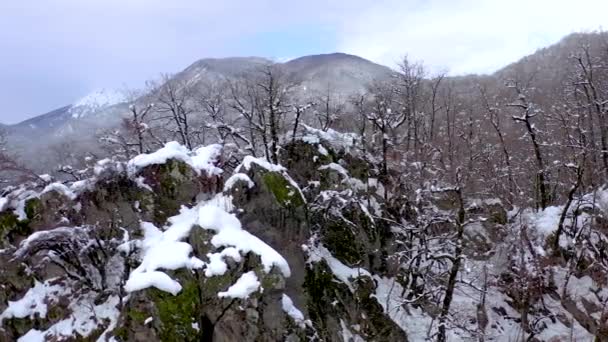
(54, 51)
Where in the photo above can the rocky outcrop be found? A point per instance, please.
(169, 247)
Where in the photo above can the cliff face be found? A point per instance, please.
(177, 246)
(171, 247)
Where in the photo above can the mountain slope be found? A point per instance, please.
(340, 72)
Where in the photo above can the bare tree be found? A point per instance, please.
(527, 112)
(593, 85)
(262, 98)
(329, 107)
(409, 88)
(175, 102)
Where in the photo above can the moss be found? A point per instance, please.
(56, 313)
(19, 326)
(285, 194)
(357, 168)
(215, 284)
(177, 313)
(377, 323)
(342, 242)
(319, 287)
(138, 316)
(8, 222)
(10, 225)
(33, 207)
(268, 281)
(168, 183)
(121, 333)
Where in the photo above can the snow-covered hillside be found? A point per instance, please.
(95, 101)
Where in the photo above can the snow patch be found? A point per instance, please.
(340, 270)
(238, 177)
(34, 302)
(290, 309)
(60, 188)
(247, 284)
(231, 234)
(95, 101)
(203, 159)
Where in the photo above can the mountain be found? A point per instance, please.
(59, 121)
(343, 72)
(95, 102)
(104, 108)
(340, 72)
(221, 67)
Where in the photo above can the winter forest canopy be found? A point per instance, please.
(365, 203)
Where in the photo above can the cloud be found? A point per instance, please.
(54, 51)
(58, 50)
(465, 36)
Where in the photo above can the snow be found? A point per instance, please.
(95, 101)
(34, 302)
(141, 183)
(46, 177)
(3, 203)
(60, 188)
(33, 336)
(263, 163)
(336, 167)
(20, 210)
(547, 220)
(216, 265)
(231, 234)
(340, 270)
(238, 177)
(336, 139)
(543, 222)
(322, 150)
(203, 159)
(24, 246)
(157, 279)
(101, 165)
(85, 318)
(164, 250)
(412, 320)
(247, 284)
(349, 336)
(290, 309)
(82, 185)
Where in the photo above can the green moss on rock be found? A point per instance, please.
(10, 225)
(320, 289)
(285, 194)
(178, 313)
(33, 207)
(342, 242)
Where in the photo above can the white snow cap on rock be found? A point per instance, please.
(166, 250)
(231, 234)
(247, 284)
(202, 159)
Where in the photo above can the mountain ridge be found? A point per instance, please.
(233, 65)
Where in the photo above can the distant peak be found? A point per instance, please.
(96, 100)
(333, 55)
(101, 98)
